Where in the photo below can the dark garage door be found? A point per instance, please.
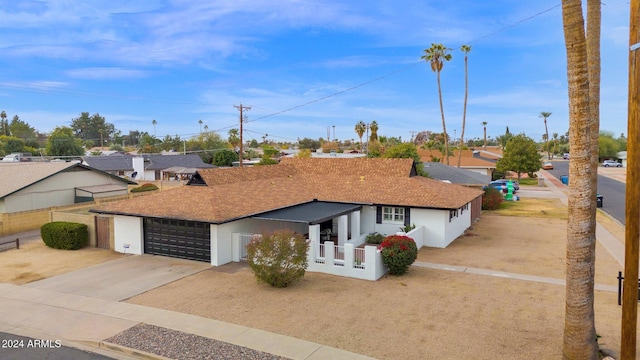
(176, 238)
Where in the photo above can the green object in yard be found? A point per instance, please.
(509, 195)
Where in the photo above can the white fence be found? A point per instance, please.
(349, 261)
(240, 241)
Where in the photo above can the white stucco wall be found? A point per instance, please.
(127, 230)
(57, 190)
(222, 240)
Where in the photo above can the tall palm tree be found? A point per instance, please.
(361, 127)
(545, 115)
(465, 49)
(374, 131)
(4, 123)
(555, 141)
(484, 126)
(436, 55)
(579, 340)
(154, 123)
(200, 123)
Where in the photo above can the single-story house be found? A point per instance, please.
(455, 175)
(148, 167)
(34, 185)
(479, 161)
(333, 201)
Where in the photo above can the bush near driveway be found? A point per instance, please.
(279, 258)
(64, 235)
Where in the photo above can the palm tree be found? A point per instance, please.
(555, 141)
(4, 123)
(200, 123)
(154, 123)
(484, 126)
(579, 340)
(436, 55)
(361, 127)
(374, 131)
(465, 49)
(545, 115)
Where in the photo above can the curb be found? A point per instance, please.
(129, 353)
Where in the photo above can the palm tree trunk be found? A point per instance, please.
(546, 140)
(579, 330)
(444, 125)
(464, 108)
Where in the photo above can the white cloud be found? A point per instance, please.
(97, 73)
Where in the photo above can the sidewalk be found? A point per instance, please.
(603, 236)
(85, 322)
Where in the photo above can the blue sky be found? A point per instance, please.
(303, 66)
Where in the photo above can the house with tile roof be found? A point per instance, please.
(334, 202)
(148, 167)
(26, 186)
(477, 160)
(455, 175)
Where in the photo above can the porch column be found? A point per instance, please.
(343, 229)
(355, 225)
(314, 237)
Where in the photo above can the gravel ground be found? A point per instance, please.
(180, 345)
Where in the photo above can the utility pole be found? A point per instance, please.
(241, 108)
(334, 133)
(632, 202)
(413, 133)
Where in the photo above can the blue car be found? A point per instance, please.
(501, 185)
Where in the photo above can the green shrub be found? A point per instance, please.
(491, 199)
(375, 238)
(407, 228)
(144, 187)
(65, 235)
(278, 258)
(398, 253)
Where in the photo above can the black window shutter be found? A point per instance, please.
(378, 214)
(407, 216)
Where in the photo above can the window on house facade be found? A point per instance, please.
(393, 214)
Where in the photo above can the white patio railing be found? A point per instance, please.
(349, 261)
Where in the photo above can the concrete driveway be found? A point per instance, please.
(123, 278)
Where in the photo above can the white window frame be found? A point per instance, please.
(393, 215)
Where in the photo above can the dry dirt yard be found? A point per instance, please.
(35, 261)
(428, 313)
(425, 314)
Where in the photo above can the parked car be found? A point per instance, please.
(501, 184)
(547, 166)
(566, 156)
(613, 163)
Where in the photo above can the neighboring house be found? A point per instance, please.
(337, 200)
(456, 175)
(28, 186)
(148, 167)
(479, 161)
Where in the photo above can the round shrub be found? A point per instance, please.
(491, 199)
(398, 253)
(65, 235)
(278, 258)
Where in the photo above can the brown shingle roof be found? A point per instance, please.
(242, 192)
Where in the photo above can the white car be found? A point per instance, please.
(613, 163)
